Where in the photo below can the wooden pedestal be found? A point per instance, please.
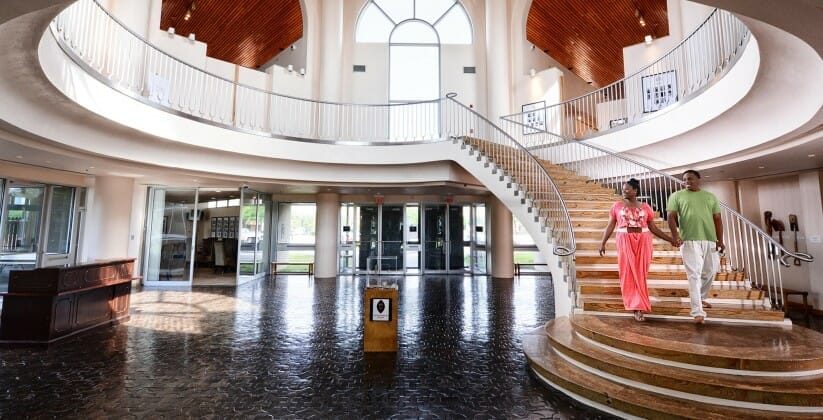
(380, 335)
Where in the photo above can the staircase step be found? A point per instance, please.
(583, 245)
(583, 273)
(657, 258)
(742, 347)
(672, 291)
(588, 202)
(750, 311)
(622, 399)
(805, 391)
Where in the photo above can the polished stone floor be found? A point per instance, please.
(291, 347)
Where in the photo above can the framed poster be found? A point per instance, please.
(534, 117)
(381, 309)
(659, 91)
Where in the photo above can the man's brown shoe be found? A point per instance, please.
(699, 319)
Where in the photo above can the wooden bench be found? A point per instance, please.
(806, 309)
(309, 266)
(517, 267)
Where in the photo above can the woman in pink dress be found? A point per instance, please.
(635, 224)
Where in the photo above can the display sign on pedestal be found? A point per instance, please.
(380, 321)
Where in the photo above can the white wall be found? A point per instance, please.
(108, 219)
(789, 195)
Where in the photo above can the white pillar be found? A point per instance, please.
(502, 240)
(498, 59)
(108, 218)
(325, 248)
(331, 60)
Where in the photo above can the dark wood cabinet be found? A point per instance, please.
(47, 304)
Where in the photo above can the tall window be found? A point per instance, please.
(414, 31)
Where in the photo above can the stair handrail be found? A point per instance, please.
(698, 61)
(469, 123)
(122, 59)
(752, 252)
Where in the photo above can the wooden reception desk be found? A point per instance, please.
(46, 304)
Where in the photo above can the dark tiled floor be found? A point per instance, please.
(292, 348)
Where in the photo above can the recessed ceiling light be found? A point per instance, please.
(91, 167)
(811, 154)
(707, 176)
(761, 167)
(19, 157)
(48, 161)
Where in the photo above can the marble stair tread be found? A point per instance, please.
(743, 347)
(547, 363)
(781, 390)
(746, 309)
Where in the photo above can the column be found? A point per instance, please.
(108, 218)
(331, 57)
(325, 248)
(502, 241)
(498, 59)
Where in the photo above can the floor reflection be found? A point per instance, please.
(292, 347)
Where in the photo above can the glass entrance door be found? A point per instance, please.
(443, 238)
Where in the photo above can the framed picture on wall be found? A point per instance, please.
(534, 117)
(659, 91)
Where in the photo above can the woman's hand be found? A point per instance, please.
(602, 249)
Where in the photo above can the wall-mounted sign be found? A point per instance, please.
(618, 122)
(659, 91)
(381, 309)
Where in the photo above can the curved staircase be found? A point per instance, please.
(664, 369)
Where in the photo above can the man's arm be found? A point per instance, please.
(673, 228)
(718, 230)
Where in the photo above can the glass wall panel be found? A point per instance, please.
(295, 233)
(413, 247)
(61, 212)
(20, 229)
(169, 236)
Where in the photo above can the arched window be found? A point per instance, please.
(414, 31)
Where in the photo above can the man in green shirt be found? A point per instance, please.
(700, 238)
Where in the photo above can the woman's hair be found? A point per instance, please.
(634, 184)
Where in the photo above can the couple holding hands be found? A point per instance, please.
(700, 239)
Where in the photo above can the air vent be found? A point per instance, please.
(359, 68)
(471, 70)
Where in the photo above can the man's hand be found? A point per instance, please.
(720, 245)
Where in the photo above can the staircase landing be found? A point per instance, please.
(669, 369)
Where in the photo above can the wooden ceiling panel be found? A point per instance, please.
(245, 32)
(588, 36)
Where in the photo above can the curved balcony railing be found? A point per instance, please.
(122, 59)
(684, 72)
(753, 254)
(127, 62)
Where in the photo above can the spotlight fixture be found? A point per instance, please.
(648, 39)
(170, 30)
(191, 37)
(532, 72)
(190, 10)
(290, 68)
(302, 71)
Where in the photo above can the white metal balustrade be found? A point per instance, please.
(125, 61)
(684, 72)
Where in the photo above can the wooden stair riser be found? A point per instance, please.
(611, 246)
